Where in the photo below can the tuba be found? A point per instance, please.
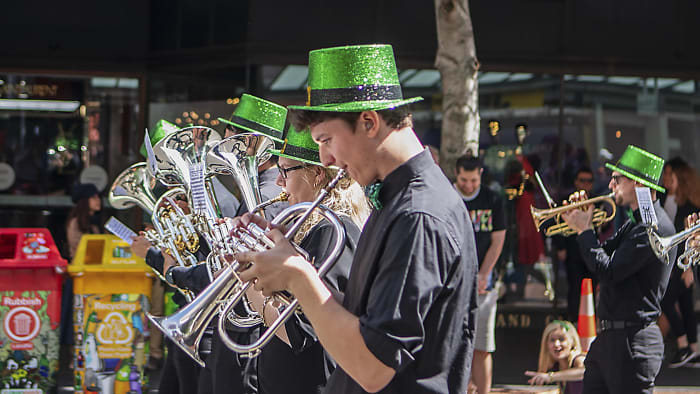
(540, 216)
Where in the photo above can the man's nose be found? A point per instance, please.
(326, 158)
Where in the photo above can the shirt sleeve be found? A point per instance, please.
(319, 243)
(194, 278)
(499, 218)
(632, 253)
(411, 274)
(154, 259)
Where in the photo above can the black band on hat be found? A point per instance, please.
(256, 126)
(637, 173)
(301, 152)
(355, 93)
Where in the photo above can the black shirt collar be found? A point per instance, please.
(398, 179)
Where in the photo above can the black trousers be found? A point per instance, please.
(180, 374)
(232, 373)
(684, 323)
(624, 361)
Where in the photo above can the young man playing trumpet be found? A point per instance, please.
(627, 353)
(406, 322)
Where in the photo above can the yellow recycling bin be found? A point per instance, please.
(111, 288)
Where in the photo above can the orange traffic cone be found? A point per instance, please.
(586, 315)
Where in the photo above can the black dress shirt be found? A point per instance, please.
(304, 367)
(632, 279)
(413, 284)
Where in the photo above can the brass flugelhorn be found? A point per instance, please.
(662, 246)
(539, 216)
(297, 214)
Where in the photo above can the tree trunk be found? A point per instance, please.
(456, 60)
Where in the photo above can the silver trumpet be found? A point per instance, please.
(298, 214)
(662, 246)
(688, 258)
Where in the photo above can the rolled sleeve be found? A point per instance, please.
(403, 290)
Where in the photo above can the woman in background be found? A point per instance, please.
(561, 359)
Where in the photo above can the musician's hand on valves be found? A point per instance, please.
(579, 220)
(140, 245)
(694, 240)
(275, 269)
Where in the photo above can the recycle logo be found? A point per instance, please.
(22, 324)
(114, 330)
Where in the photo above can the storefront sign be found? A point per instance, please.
(30, 90)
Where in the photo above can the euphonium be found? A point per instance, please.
(298, 214)
(133, 187)
(539, 216)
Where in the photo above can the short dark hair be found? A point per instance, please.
(468, 163)
(396, 118)
(583, 169)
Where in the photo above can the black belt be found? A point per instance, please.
(606, 325)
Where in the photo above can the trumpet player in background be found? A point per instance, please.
(626, 355)
(568, 252)
(406, 322)
(294, 361)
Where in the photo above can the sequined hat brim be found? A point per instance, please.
(357, 106)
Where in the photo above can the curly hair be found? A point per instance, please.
(347, 198)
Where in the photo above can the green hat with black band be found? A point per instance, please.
(162, 129)
(298, 145)
(641, 166)
(353, 79)
(257, 115)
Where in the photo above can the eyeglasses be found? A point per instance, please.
(616, 178)
(584, 180)
(285, 171)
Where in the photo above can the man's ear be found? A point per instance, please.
(368, 123)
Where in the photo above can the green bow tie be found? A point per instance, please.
(630, 214)
(372, 193)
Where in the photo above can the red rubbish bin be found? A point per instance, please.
(30, 309)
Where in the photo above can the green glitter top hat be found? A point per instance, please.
(298, 145)
(163, 128)
(259, 116)
(353, 79)
(641, 166)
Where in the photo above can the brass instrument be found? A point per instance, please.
(298, 214)
(539, 216)
(186, 326)
(662, 246)
(133, 187)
